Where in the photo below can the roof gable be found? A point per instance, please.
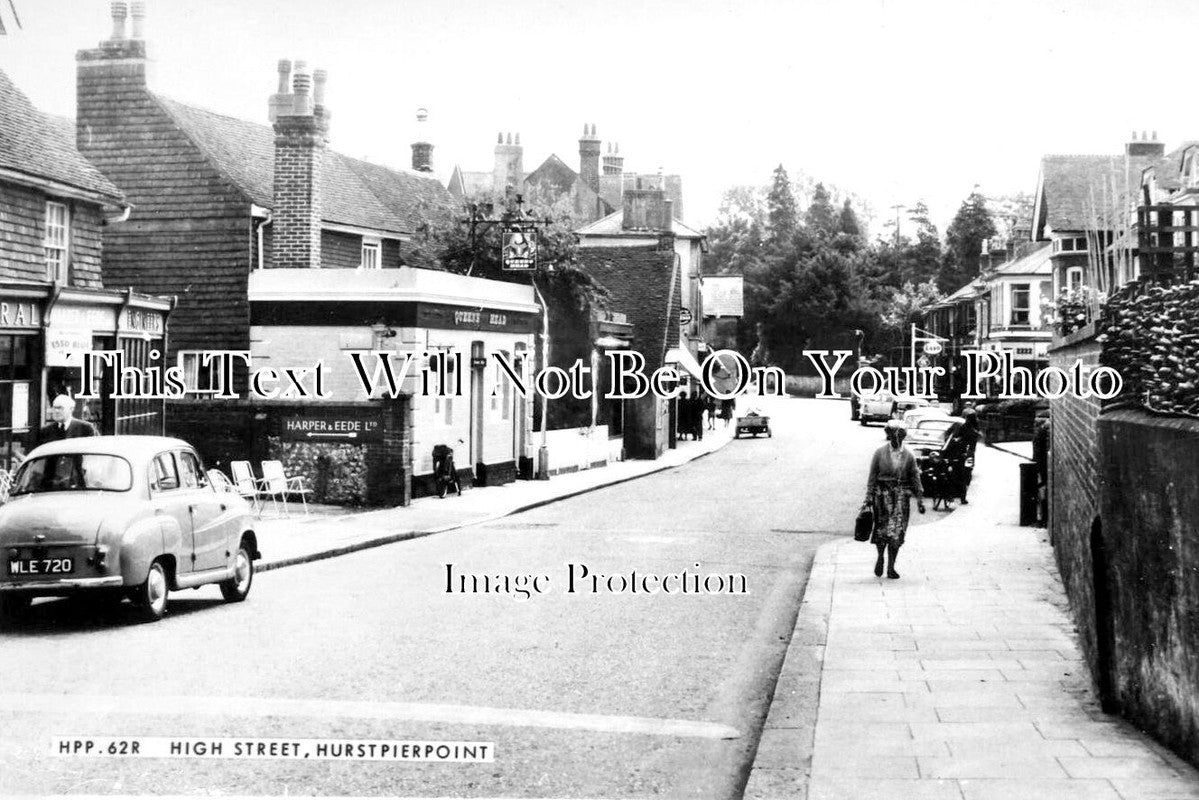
(554, 175)
(355, 192)
(43, 146)
(1072, 187)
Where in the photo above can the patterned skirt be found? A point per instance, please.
(891, 509)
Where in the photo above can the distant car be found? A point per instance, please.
(884, 405)
(930, 433)
(914, 415)
(132, 515)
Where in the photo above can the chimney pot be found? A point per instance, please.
(284, 76)
(499, 138)
(138, 14)
(518, 139)
(120, 11)
(1134, 136)
(1144, 136)
(1155, 136)
(319, 78)
(509, 137)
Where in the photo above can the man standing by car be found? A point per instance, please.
(64, 424)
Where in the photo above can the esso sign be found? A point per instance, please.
(932, 348)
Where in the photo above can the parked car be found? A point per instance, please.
(132, 515)
(914, 415)
(884, 405)
(930, 433)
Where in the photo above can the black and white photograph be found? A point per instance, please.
(712, 400)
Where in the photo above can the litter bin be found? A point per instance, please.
(1028, 493)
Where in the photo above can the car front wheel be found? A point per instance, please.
(236, 588)
(151, 596)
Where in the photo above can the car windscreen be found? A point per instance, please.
(72, 472)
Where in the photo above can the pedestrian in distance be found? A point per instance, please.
(894, 479)
(710, 408)
(726, 410)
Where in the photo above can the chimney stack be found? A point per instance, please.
(120, 14)
(613, 161)
(301, 123)
(646, 210)
(422, 150)
(1145, 146)
(589, 157)
(509, 173)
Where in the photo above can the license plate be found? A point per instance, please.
(41, 566)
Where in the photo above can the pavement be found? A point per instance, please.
(330, 531)
(962, 680)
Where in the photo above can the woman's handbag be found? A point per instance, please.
(864, 525)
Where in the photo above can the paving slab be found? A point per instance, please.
(963, 679)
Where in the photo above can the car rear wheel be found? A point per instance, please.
(236, 588)
(151, 596)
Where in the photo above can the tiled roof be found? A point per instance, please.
(1069, 181)
(613, 225)
(354, 192)
(1168, 169)
(1035, 263)
(555, 173)
(43, 146)
(724, 296)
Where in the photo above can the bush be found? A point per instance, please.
(1152, 340)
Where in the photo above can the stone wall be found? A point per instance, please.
(1150, 543)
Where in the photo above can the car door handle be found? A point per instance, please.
(223, 506)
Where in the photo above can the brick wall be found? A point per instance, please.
(189, 232)
(23, 223)
(1074, 492)
(1150, 511)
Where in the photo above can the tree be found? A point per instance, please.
(848, 222)
(964, 238)
(907, 304)
(782, 216)
(821, 218)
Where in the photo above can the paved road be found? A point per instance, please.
(583, 694)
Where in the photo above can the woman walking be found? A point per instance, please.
(894, 478)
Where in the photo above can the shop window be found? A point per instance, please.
(135, 415)
(1020, 304)
(198, 377)
(443, 411)
(56, 242)
(370, 254)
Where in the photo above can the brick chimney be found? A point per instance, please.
(613, 161)
(646, 209)
(422, 150)
(509, 173)
(119, 64)
(301, 123)
(589, 157)
(1145, 146)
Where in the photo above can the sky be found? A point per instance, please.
(894, 101)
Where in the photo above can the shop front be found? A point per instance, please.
(44, 333)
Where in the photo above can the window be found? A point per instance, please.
(1074, 278)
(443, 411)
(190, 471)
(1076, 244)
(198, 377)
(370, 254)
(1020, 304)
(164, 473)
(57, 228)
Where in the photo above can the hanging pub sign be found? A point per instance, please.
(519, 252)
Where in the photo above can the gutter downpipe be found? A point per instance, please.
(543, 452)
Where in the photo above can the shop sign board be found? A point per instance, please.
(352, 426)
(684, 316)
(65, 346)
(19, 314)
(447, 317)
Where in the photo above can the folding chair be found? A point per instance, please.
(5, 485)
(249, 487)
(278, 484)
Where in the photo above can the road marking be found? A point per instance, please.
(325, 709)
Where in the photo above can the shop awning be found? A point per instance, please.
(683, 357)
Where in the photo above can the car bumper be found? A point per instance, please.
(63, 585)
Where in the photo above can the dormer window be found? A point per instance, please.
(1190, 170)
(370, 254)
